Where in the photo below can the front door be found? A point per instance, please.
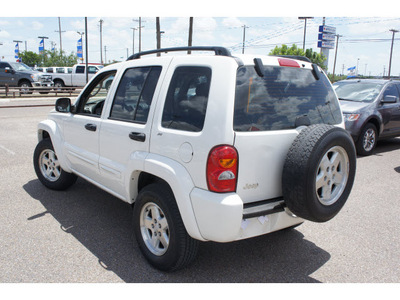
(81, 130)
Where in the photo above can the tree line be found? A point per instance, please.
(48, 59)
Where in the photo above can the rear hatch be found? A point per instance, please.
(275, 98)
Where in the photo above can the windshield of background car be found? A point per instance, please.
(20, 67)
(357, 91)
(277, 100)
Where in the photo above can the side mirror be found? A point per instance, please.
(63, 105)
(389, 99)
(8, 70)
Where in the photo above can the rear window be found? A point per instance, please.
(283, 99)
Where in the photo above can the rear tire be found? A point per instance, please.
(159, 229)
(319, 172)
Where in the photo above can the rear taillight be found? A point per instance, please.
(222, 167)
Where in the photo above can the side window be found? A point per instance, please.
(80, 69)
(3, 66)
(92, 100)
(92, 69)
(187, 97)
(134, 94)
(391, 90)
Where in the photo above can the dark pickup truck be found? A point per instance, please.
(19, 74)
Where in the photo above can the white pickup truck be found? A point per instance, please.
(78, 76)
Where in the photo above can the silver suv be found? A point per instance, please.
(209, 147)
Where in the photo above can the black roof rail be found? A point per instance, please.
(217, 50)
(298, 57)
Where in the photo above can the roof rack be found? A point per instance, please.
(217, 50)
(298, 57)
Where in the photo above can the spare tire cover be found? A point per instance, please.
(319, 172)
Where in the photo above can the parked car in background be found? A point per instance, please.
(75, 77)
(19, 74)
(371, 109)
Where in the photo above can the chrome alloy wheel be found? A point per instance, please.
(332, 175)
(369, 139)
(49, 165)
(154, 229)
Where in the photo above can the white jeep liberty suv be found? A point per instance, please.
(209, 147)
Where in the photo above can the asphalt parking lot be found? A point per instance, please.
(83, 235)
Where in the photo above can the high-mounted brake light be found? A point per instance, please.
(222, 166)
(286, 62)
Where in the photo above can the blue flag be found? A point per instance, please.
(351, 72)
(41, 46)
(17, 51)
(79, 48)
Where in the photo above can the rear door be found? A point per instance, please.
(125, 131)
(269, 112)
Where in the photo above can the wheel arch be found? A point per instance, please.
(171, 173)
(49, 129)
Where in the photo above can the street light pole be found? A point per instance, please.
(133, 40)
(244, 37)
(334, 63)
(305, 28)
(391, 50)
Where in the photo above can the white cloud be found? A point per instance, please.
(37, 25)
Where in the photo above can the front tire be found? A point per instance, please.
(159, 229)
(48, 169)
(367, 141)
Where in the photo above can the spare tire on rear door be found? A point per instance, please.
(319, 172)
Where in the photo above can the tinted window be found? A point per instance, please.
(187, 97)
(284, 98)
(391, 90)
(80, 69)
(134, 94)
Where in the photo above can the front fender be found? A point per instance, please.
(181, 185)
(49, 128)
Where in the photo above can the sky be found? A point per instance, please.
(365, 36)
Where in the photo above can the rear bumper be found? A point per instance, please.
(222, 218)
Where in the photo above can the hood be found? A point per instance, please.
(352, 106)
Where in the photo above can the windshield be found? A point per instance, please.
(20, 66)
(283, 99)
(357, 91)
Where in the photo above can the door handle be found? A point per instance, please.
(137, 136)
(91, 127)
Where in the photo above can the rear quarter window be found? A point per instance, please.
(284, 98)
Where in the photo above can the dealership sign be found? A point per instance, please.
(326, 37)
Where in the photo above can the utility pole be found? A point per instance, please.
(334, 63)
(101, 40)
(305, 29)
(105, 53)
(140, 32)
(133, 40)
(86, 51)
(244, 37)
(59, 30)
(391, 50)
(158, 34)
(190, 34)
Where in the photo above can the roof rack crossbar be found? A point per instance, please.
(217, 50)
